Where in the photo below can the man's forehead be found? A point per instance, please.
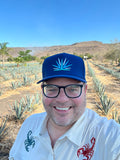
(62, 79)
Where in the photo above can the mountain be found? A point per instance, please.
(92, 47)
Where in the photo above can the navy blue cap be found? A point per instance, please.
(63, 65)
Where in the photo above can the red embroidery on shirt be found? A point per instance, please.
(86, 150)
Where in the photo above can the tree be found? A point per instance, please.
(113, 55)
(114, 52)
(24, 56)
(24, 53)
(3, 51)
(18, 60)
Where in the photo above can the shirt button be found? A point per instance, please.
(11, 158)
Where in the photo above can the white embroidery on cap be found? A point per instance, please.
(62, 65)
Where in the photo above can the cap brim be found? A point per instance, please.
(62, 76)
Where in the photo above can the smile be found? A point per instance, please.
(62, 109)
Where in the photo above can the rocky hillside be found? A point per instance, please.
(93, 47)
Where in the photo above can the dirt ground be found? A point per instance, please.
(112, 87)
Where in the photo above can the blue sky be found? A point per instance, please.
(32, 23)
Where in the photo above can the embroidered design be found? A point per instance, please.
(86, 150)
(62, 65)
(29, 141)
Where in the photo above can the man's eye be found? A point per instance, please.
(51, 89)
(73, 89)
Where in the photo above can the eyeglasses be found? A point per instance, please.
(71, 91)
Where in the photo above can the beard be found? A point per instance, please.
(68, 118)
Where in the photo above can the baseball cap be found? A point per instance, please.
(63, 65)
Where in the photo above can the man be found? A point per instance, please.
(68, 130)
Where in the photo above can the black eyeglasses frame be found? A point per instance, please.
(59, 87)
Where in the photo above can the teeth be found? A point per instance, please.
(62, 109)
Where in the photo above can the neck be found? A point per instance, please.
(55, 131)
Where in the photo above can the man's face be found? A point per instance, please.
(64, 111)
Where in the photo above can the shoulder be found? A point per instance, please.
(35, 119)
(101, 122)
(106, 131)
(33, 122)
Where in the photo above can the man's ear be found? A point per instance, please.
(85, 87)
(41, 86)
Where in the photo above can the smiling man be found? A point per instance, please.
(67, 130)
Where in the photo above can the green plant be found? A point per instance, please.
(26, 80)
(119, 119)
(110, 71)
(13, 85)
(29, 102)
(3, 129)
(19, 108)
(115, 116)
(37, 99)
(3, 51)
(106, 103)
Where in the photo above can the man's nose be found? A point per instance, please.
(62, 95)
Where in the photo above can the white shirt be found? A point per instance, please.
(91, 138)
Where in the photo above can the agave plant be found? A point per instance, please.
(106, 103)
(118, 120)
(3, 129)
(13, 85)
(116, 117)
(19, 108)
(29, 102)
(37, 99)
